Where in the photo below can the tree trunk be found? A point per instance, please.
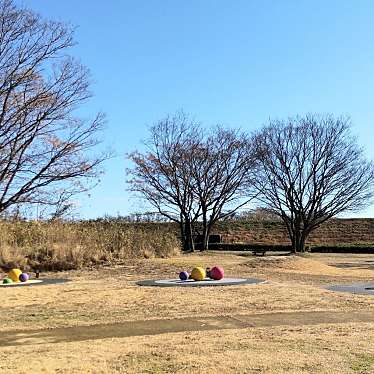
(205, 232)
(188, 242)
(298, 242)
(205, 244)
(297, 234)
(291, 232)
(293, 243)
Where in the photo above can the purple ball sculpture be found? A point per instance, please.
(24, 277)
(183, 275)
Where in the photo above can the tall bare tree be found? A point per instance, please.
(191, 176)
(221, 166)
(311, 169)
(44, 146)
(163, 176)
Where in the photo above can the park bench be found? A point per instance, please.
(258, 251)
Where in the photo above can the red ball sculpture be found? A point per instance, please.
(217, 273)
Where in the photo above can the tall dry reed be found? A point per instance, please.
(72, 245)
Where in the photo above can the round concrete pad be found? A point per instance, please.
(207, 282)
(35, 282)
(28, 283)
(356, 288)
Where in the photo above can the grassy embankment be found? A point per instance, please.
(336, 235)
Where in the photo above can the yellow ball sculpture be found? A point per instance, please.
(198, 274)
(14, 275)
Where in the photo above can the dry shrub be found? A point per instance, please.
(73, 245)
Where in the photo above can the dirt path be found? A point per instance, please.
(162, 326)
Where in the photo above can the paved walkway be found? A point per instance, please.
(355, 288)
(163, 326)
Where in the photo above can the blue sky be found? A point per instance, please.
(235, 63)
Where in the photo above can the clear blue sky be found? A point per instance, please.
(229, 62)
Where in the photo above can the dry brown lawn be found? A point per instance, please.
(110, 296)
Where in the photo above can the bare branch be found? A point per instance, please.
(42, 143)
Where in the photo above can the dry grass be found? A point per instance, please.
(65, 246)
(321, 349)
(109, 295)
(75, 245)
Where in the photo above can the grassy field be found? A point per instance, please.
(102, 322)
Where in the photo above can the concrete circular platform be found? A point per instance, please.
(355, 288)
(204, 283)
(36, 282)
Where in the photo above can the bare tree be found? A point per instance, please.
(42, 142)
(191, 176)
(221, 166)
(162, 175)
(311, 169)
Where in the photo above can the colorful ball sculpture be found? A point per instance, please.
(198, 274)
(7, 281)
(183, 275)
(14, 275)
(24, 277)
(217, 273)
